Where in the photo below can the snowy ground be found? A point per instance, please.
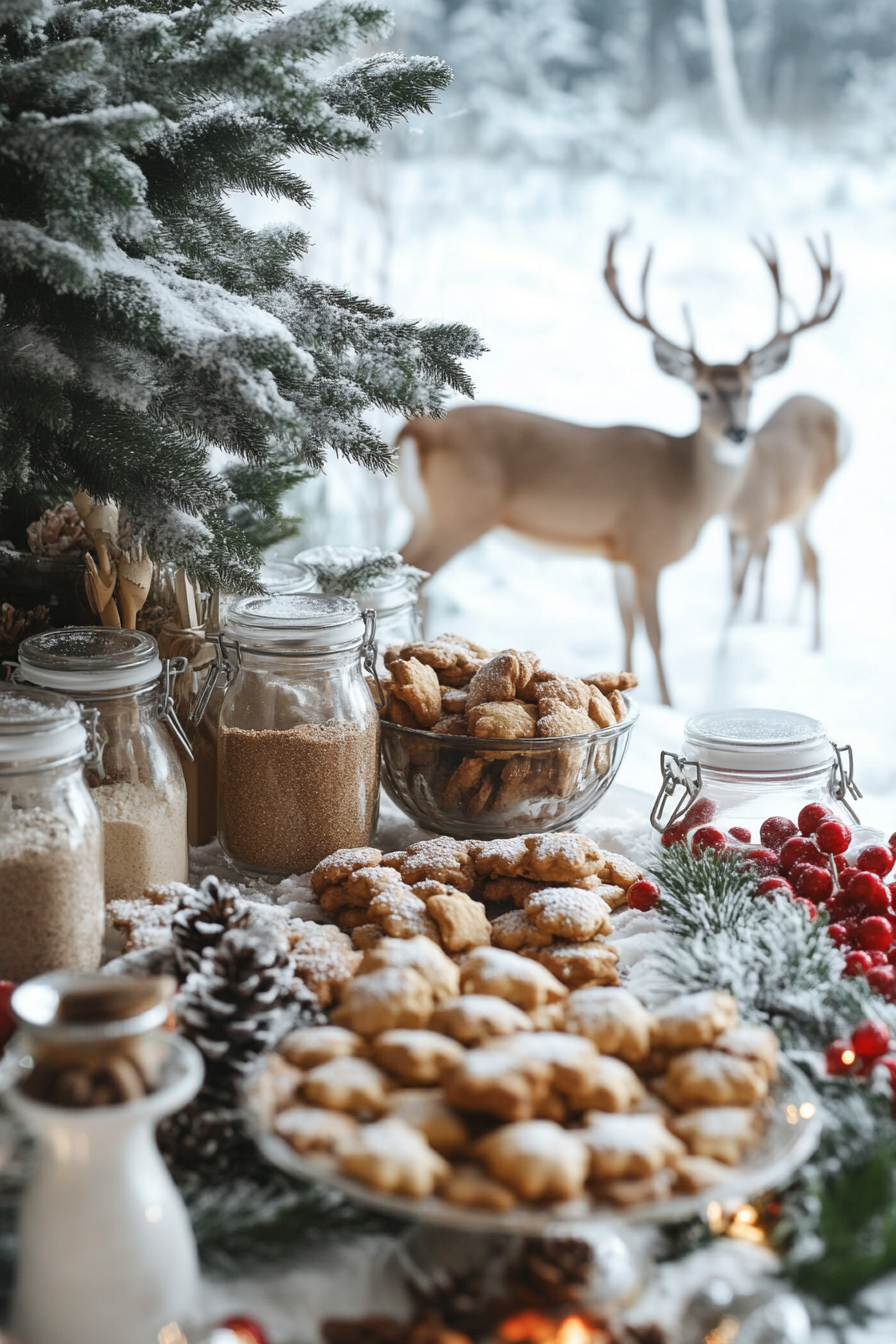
(518, 253)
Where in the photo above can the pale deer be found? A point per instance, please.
(635, 495)
(795, 453)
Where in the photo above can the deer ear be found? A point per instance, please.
(674, 361)
(770, 360)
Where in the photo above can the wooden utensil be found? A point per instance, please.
(100, 588)
(134, 579)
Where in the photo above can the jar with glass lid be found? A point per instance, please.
(740, 766)
(298, 737)
(392, 595)
(137, 783)
(52, 912)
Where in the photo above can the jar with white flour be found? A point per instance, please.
(138, 784)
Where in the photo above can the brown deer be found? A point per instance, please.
(795, 453)
(635, 495)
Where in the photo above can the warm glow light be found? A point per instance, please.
(573, 1331)
(807, 1110)
(715, 1216)
(726, 1330)
(527, 1325)
(848, 1057)
(792, 1114)
(747, 1214)
(171, 1334)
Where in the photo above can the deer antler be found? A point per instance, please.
(611, 276)
(830, 291)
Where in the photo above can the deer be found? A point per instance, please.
(635, 495)
(795, 453)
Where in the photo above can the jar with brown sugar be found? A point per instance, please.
(298, 735)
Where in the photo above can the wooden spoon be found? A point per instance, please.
(100, 587)
(134, 579)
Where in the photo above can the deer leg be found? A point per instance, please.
(647, 585)
(762, 551)
(624, 582)
(812, 575)
(741, 554)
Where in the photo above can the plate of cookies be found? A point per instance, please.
(479, 744)
(482, 1067)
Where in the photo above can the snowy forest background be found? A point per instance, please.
(567, 118)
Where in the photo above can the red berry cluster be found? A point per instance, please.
(805, 860)
(868, 1046)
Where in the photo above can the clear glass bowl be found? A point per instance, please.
(488, 787)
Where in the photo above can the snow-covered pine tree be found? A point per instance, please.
(142, 327)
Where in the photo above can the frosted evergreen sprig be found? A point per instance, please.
(344, 575)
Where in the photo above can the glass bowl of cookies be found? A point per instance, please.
(490, 745)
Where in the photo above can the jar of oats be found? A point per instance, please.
(51, 844)
(298, 734)
(137, 784)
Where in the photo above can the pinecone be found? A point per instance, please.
(460, 1300)
(550, 1270)
(203, 1141)
(233, 1006)
(59, 531)
(202, 918)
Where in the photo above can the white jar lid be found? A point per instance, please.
(756, 739)
(387, 593)
(301, 622)
(38, 726)
(287, 576)
(85, 658)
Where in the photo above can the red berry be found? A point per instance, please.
(840, 862)
(870, 1039)
(811, 881)
(833, 837)
(800, 850)
(769, 885)
(245, 1329)
(879, 958)
(673, 836)
(699, 813)
(870, 891)
(858, 963)
(7, 1021)
(775, 831)
(643, 895)
(840, 906)
(839, 934)
(707, 837)
(763, 862)
(874, 934)
(892, 841)
(740, 833)
(882, 980)
(846, 873)
(810, 906)
(811, 817)
(876, 859)
(839, 1056)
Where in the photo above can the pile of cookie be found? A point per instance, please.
(546, 897)
(455, 688)
(434, 1079)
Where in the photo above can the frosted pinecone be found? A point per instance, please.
(202, 918)
(59, 531)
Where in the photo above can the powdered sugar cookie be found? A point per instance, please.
(599, 709)
(609, 1085)
(402, 914)
(507, 719)
(725, 1133)
(276, 1087)
(619, 871)
(559, 720)
(391, 1156)
(537, 1159)
(613, 1019)
(443, 859)
(422, 955)
(569, 912)
(451, 725)
(693, 1174)
(475, 1018)
(628, 1147)
(514, 931)
(336, 867)
(578, 965)
(627, 1194)
(323, 962)
(309, 1046)
(425, 1109)
(489, 970)
(499, 858)
(502, 1083)
(713, 1078)
(757, 1043)
(310, 1129)
(571, 1058)
(693, 1019)
(462, 922)
(367, 936)
(395, 996)
(454, 701)
(471, 1186)
(418, 686)
(347, 1084)
(416, 1056)
(498, 678)
(561, 690)
(612, 681)
(561, 857)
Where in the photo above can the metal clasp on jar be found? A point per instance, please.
(842, 781)
(221, 663)
(368, 654)
(165, 711)
(675, 776)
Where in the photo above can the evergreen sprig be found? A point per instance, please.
(347, 574)
(142, 328)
